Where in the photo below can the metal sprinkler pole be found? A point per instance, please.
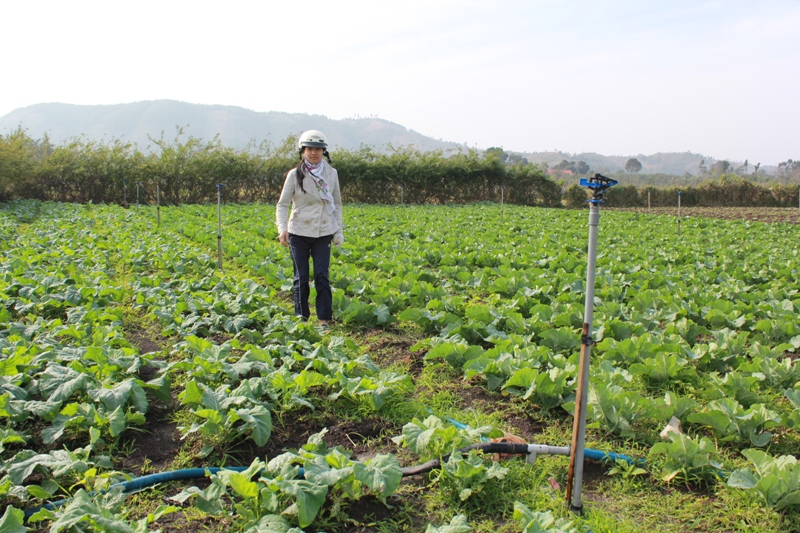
(679, 213)
(137, 195)
(402, 202)
(502, 197)
(598, 185)
(219, 224)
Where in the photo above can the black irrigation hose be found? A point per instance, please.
(510, 448)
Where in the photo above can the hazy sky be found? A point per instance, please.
(626, 77)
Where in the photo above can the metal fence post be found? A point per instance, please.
(219, 224)
(158, 204)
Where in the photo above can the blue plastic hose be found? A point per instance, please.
(143, 482)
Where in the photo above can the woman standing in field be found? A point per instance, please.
(312, 190)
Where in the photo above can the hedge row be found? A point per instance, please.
(188, 171)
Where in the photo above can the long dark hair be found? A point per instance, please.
(299, 173)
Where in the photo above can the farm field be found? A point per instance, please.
(126, 352)
(789, 215)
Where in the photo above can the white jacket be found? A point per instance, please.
(309, 218)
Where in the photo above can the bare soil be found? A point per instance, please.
(157, 442)
(366, 438)
(178, 523)
(389, 346)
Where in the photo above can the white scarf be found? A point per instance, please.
(320, 183)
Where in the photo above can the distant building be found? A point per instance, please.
(559, 172)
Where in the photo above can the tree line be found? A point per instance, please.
(187, 170)
(728, 190)
(788, 172)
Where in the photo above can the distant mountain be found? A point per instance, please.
(236, 126)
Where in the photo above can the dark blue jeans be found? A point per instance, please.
(319, 251)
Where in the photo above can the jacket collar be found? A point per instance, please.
(308, 182)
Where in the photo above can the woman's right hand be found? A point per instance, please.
(284, 238)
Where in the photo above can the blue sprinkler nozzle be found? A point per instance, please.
(598, 185)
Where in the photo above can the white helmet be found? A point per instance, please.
(312, 138)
